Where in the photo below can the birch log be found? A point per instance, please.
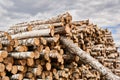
(46, 26)
(21, 55)
(3, 34)
(65, 18)
(35, 33)
(86, 58)
(29, 41)
(17, 77)
(3, 54)
(19, 30)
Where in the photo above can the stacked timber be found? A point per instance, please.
(39, 50)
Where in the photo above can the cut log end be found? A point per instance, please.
(2, 67)
(48, 66)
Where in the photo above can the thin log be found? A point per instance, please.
(19, 30)
(7, 42)
(8, 37)
(36, 54)
(55, 38)
(29, 75)
(3, 73)
(22, 62)
(14, 69)
(48, 66)
(30, 62)
(3, 54)
(65, 18)
(3, 34)
(1, 59)
(2, 67)
(5, 78)
(20, 68)
(17, 77)
(20, 49)
(1, 46)
(36, 71)
(63, 30)
(35, 33)
(8, 48)
(29, 42)
(43, 41)
(46, 26)
(8, 60)
(86, 58)
(9, 67)
(21, 55)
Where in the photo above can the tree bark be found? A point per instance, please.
(65, 18)
(35, 33)
(29, 42)
(21, 55)
(86, 58)
(19, 30)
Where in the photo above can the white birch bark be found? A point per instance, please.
(86, 58)
(30, 34)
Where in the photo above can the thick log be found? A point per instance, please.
(86, 58)
(35, 33)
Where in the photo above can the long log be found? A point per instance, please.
(65, 18)
(19, 30)
(46, 26)
(21, 55)
(29, 41)
(35, 33)
(3, 34)
(86, 58)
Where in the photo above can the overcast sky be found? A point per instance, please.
(104, 13)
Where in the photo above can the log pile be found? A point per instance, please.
(39, 50)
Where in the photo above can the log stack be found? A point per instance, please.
(34, 51)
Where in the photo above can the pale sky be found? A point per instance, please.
(104, 13)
